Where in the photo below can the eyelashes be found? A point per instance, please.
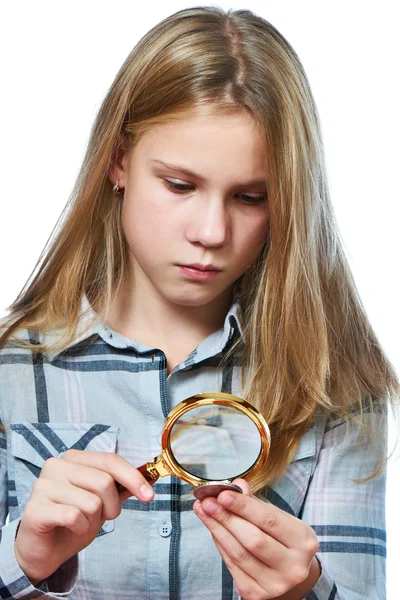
(185, 188)
(180, 188)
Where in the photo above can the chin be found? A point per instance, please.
(191, 302)
(193, 299)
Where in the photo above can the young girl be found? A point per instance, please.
(199, 254)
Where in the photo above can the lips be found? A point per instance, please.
(199, 272)
(201, 267)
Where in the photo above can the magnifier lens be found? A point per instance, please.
(215, 442)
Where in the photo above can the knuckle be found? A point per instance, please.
(71, 516)
(114, 512)
(239, 555)
(106, 484)
(279, 588)
(298, 574)
(94, 505)
(311, 544)
(268, 520)
(256, 544)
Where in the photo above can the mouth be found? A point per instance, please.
(200, 267)
(199, 272)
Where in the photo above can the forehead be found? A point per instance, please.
(214, 145)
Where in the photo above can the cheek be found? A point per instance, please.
(148, 223)
(254, 235)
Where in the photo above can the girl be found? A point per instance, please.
(199, 253)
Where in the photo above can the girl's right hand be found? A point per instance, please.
(68, 505)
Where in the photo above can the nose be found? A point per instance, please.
(209, 223)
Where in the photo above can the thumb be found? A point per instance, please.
(242, 483)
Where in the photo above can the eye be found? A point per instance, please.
(178, 187)
(253, 199)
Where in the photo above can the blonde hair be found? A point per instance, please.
(308, 343)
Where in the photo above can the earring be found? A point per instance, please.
(116, 189)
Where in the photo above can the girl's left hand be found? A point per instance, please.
(269, 553)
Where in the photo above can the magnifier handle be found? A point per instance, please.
(148, 472)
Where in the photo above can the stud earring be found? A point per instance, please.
(116, 189)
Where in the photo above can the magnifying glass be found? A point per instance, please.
(210, 439)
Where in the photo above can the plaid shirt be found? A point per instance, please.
(109, 393)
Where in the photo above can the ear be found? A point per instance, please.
(118, 165)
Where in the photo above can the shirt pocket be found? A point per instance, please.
(33, 443)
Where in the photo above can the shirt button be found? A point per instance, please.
(165, 529)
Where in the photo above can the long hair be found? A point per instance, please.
(308, 343)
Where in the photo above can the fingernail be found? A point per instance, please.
(212, 507)
(226, 499)
(146, 491)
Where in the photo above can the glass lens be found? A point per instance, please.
(215, 442)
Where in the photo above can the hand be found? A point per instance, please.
(68, 505)
(269, 553)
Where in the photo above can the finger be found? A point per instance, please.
(242, 483)
(103, 485)
(236, 557)
(246, 586)
(291, 564)
(91, 505)
(42, 517)
(120, 470)
(249, 537)
(93, 480)
(285, 528)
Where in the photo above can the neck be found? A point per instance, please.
(138, 312)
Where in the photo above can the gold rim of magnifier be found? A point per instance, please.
(166, 464)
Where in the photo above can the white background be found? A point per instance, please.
(59, 58)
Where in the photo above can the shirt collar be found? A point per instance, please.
(90, 324)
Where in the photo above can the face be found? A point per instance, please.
(195, 211)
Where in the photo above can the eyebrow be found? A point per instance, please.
(192, 174)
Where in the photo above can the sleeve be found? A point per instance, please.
(13, 581)
(347, 515)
